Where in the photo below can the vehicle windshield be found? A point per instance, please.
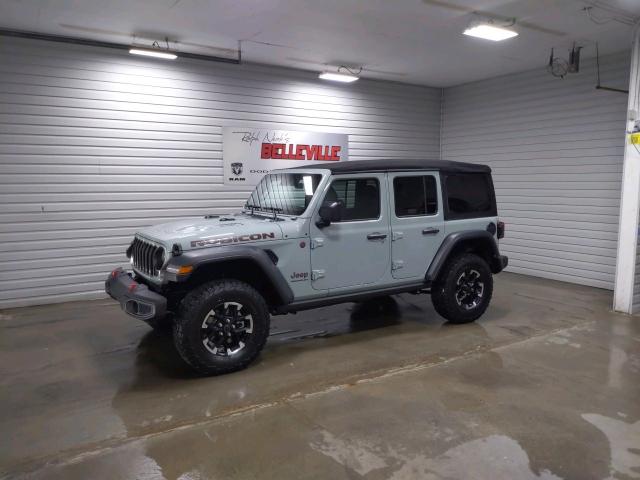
(284, 193)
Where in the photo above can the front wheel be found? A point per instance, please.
(463, 292)
(221, 327)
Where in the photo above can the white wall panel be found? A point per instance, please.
(556, 149)
(95, 144)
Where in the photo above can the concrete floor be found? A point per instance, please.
(545, 386)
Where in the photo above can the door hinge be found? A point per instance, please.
(317, 242)
(317, 274)
(396, 236)
(397, 265)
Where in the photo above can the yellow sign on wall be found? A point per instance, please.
(634, 138)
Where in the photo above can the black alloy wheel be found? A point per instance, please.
(226, 328)
(469, 289)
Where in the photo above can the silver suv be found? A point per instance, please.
(314, 236)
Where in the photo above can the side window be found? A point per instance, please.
(469, 195)
(360, 196)
(415, 196)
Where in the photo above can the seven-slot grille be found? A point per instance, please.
(147, 257)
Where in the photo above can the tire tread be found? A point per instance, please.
(444, 302)
(189, 307)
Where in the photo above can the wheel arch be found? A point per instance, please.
(254, 266)
(480, 242)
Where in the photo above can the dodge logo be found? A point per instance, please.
(236, 168)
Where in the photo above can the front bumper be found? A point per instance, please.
(135, 298)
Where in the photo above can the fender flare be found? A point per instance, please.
(497, 262)
(203, 257)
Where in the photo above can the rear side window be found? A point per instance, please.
(360, 196)
(415, 196)
(469, 195)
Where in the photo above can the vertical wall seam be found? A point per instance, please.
(626, 256)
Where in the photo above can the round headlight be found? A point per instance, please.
(158, 259)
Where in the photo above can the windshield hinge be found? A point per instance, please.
(317, 242)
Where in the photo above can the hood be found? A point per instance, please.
(213, 231)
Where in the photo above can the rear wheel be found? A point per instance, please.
(221, 327)
(463, 291)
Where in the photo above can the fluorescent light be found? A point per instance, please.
(338, 77)
(153, 53)
(490, 32)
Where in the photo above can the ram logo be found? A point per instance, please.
(236, 168)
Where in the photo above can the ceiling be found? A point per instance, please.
(413, 41)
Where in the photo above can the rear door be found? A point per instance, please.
(417, 222)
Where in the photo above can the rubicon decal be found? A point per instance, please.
(290, 151)
(225, 240)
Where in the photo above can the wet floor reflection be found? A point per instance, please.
(157, 356)
(543, 387)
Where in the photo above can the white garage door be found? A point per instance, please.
(95, 143)
(556, 150)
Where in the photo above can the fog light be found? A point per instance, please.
(139, 309)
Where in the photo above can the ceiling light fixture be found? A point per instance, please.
(339, 76)
(153, 53)
(488, 30)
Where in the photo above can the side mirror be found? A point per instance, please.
(329, 212)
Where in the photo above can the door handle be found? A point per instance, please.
(376, 236)
(430, 231)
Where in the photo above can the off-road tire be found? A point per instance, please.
(443, 293)
(194, 308)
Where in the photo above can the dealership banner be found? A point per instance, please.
(249, 153)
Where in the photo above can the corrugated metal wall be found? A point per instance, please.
(556, 148)
(95, 143)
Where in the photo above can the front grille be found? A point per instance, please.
(147, 257)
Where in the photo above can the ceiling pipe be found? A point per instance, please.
(97, 43)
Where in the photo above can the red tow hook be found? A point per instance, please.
(132, 287)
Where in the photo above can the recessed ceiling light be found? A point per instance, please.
(153, 53)
(338, 77)
(489, 32)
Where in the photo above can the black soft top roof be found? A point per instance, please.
(359, 166)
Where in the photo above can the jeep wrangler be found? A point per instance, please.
(314, 236)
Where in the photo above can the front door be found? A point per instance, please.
(356, 250)
(417, 222)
